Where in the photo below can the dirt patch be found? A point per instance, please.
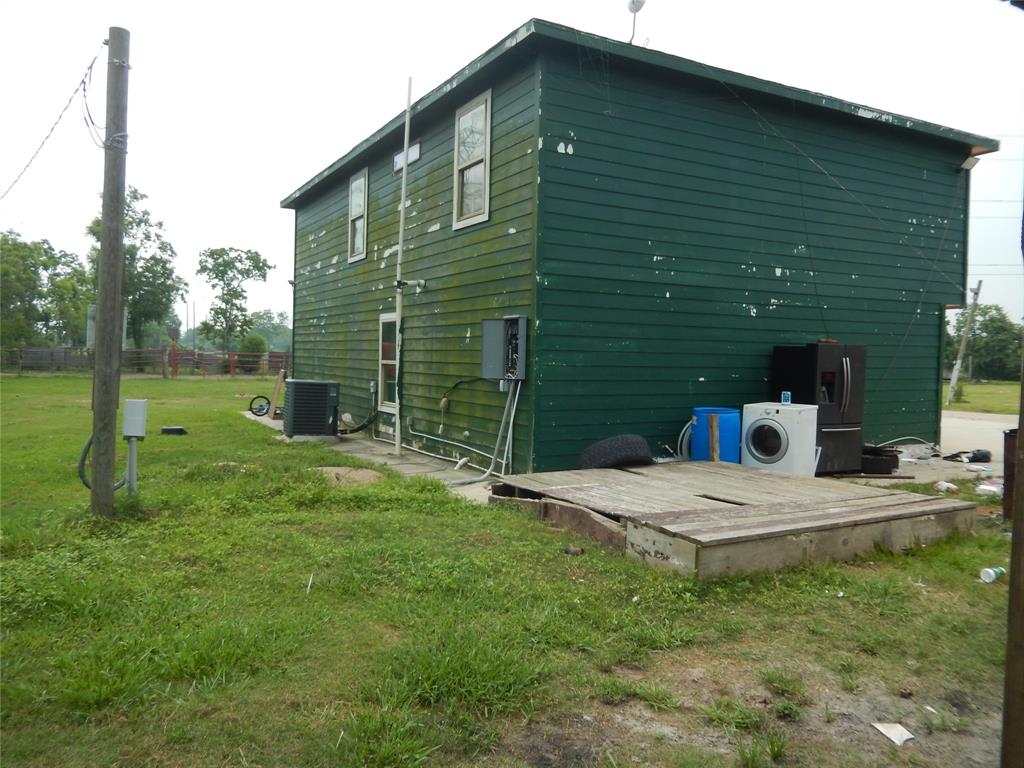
(950, 727)
(350, 475)
(575, 742)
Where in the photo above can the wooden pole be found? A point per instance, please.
(963, 344)
(110, 269)
(1013, 690)
(713, 446)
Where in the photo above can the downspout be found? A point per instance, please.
(398, 276)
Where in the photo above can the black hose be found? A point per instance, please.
(81, 466)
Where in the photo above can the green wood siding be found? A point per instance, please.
(482, 271)
(686, 227)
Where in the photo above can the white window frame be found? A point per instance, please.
(382, 404)
(352, 217)
(458, 223)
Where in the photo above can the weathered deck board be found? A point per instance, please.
(717, 518)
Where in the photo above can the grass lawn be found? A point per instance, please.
(986, 397)
(245, 611)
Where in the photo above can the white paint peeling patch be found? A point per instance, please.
(388, 251)
(778, 271)
(322, 233)
(433, 228)
(572, 135)
(568, 149)
(317, 265)
(512, 230)
(701, 379)
(873, 115)
(469, 332)
(529, 151)
(540, 143)
(668, 295)
(561, 147)
(753, 311)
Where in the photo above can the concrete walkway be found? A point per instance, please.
(961, 431)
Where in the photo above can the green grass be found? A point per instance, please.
(734, 715)
(784, 683)
(986, 397)
(186, 631)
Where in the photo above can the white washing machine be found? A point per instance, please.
(780, 437)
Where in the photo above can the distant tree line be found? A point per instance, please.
(994, 346)
(45, 293)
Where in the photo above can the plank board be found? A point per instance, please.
(717, 517)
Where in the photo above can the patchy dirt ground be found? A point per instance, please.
(834, 728)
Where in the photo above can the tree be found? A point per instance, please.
(45, 294)
(151, 286)
(21, 289)
(274, 327)
(994, 343)
(227, 269)
(68, 294)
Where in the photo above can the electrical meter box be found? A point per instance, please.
(134, 423)
(503, 349)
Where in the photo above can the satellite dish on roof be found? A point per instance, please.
(634, 8)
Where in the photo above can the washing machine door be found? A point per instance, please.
(766, 441)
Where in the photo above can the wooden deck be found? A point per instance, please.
(716, 518)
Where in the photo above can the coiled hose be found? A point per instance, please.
(81, 466)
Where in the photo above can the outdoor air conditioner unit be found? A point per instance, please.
(311, 407)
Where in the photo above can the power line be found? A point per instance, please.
(83, 84)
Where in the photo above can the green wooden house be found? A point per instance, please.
(660, 223)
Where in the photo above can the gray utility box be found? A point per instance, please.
(503, 348)
(311, 407)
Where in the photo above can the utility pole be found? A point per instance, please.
(1013, 685)
(963, 344)
(1013, 690)
(109, 300)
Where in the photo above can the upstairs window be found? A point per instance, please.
(357, 216)
(472, 162)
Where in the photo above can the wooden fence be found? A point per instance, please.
(167, 361)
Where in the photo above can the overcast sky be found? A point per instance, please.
(233, 105)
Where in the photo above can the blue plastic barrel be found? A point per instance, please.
(728, 434)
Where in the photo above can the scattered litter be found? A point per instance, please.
(978, 468)
(173, 431)
(931, 709)
(988, 575)
(895, 732)
(977, 456)
(840, 594)
(573, 550)
(990, 489)
(310, 584)
(942, 485)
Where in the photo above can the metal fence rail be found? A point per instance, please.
(166, 361)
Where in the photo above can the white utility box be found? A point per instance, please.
(134, 419)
